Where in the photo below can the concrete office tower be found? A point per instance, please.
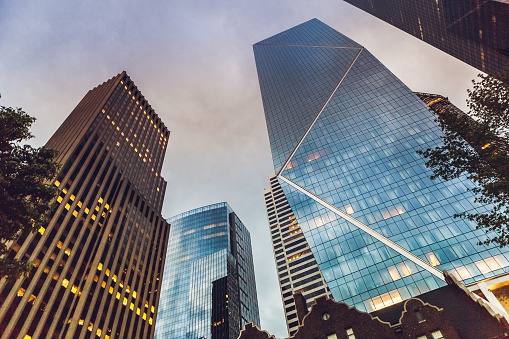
(297, 269)
(344, 132)
(475, 32)
(98, 262)
(209, 288)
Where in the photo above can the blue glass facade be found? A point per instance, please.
(379, 228)
(208, 288)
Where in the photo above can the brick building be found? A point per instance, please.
(448, 312)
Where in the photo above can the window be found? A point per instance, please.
(349, 333)
(332, 336)
(437, 334)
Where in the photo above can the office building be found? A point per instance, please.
(296, 266)
(208, 288)
(344, 132)
(475, 32)
(99, 260)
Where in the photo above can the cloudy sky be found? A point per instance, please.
(193, 62)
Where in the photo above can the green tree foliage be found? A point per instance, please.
(477, 145)
(25, 192)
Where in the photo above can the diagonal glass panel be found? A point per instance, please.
(359, 269)
(313, 33)
(360, 156)
(295, 83)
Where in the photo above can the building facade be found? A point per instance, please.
(475, 32)
(296, 266)
(99, 261)
(209, 288)
(450, 312)
(344, 132)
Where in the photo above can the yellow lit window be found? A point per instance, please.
(100, 266)
(125, 301)
(144, 316)
(90, 327)
(57, 183)
(67, 206)
(132, 306)
(349, 209)
(21, 292)
(27, 337)
(87, 210)
(80, 204)
(394, 273)
(74, 289)
(107, 272)
(65, 282)
(97, 208)
(111, 290)
(120, 284)
(112, 122)
(75, 213)
(104, 214)
(59, 199)
(41, 230)
(152, 309)
(138, 311)
(93, 217)
(486, 146)
(64, 190)
(134, 294)
(107, 206)
(432, 259)
(114, 278)
(80, 322)
(118, 295)
(72, 197)
(59, 244)
(68, 251)
(103, 284)
(106, 336)
(98, 332)
(150, 321)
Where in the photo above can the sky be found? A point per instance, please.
(193, 61)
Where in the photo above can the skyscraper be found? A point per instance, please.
(297, 269)
(475, 32)
(98, 262)
(209, 288)
(344, 132)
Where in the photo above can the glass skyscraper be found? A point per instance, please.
(208, 289)
(474, 31)
(344, 132)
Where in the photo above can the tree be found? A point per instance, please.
(26, 196)
(477, 144)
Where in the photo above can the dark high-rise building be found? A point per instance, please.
(474, 31)
(344, 132)
(98, 262)
(297, 269)
(209, 288)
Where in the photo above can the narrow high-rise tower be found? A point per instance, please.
(99, 261)
(297, 269)
(475, 32)
(209, 288)
(344, 132)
